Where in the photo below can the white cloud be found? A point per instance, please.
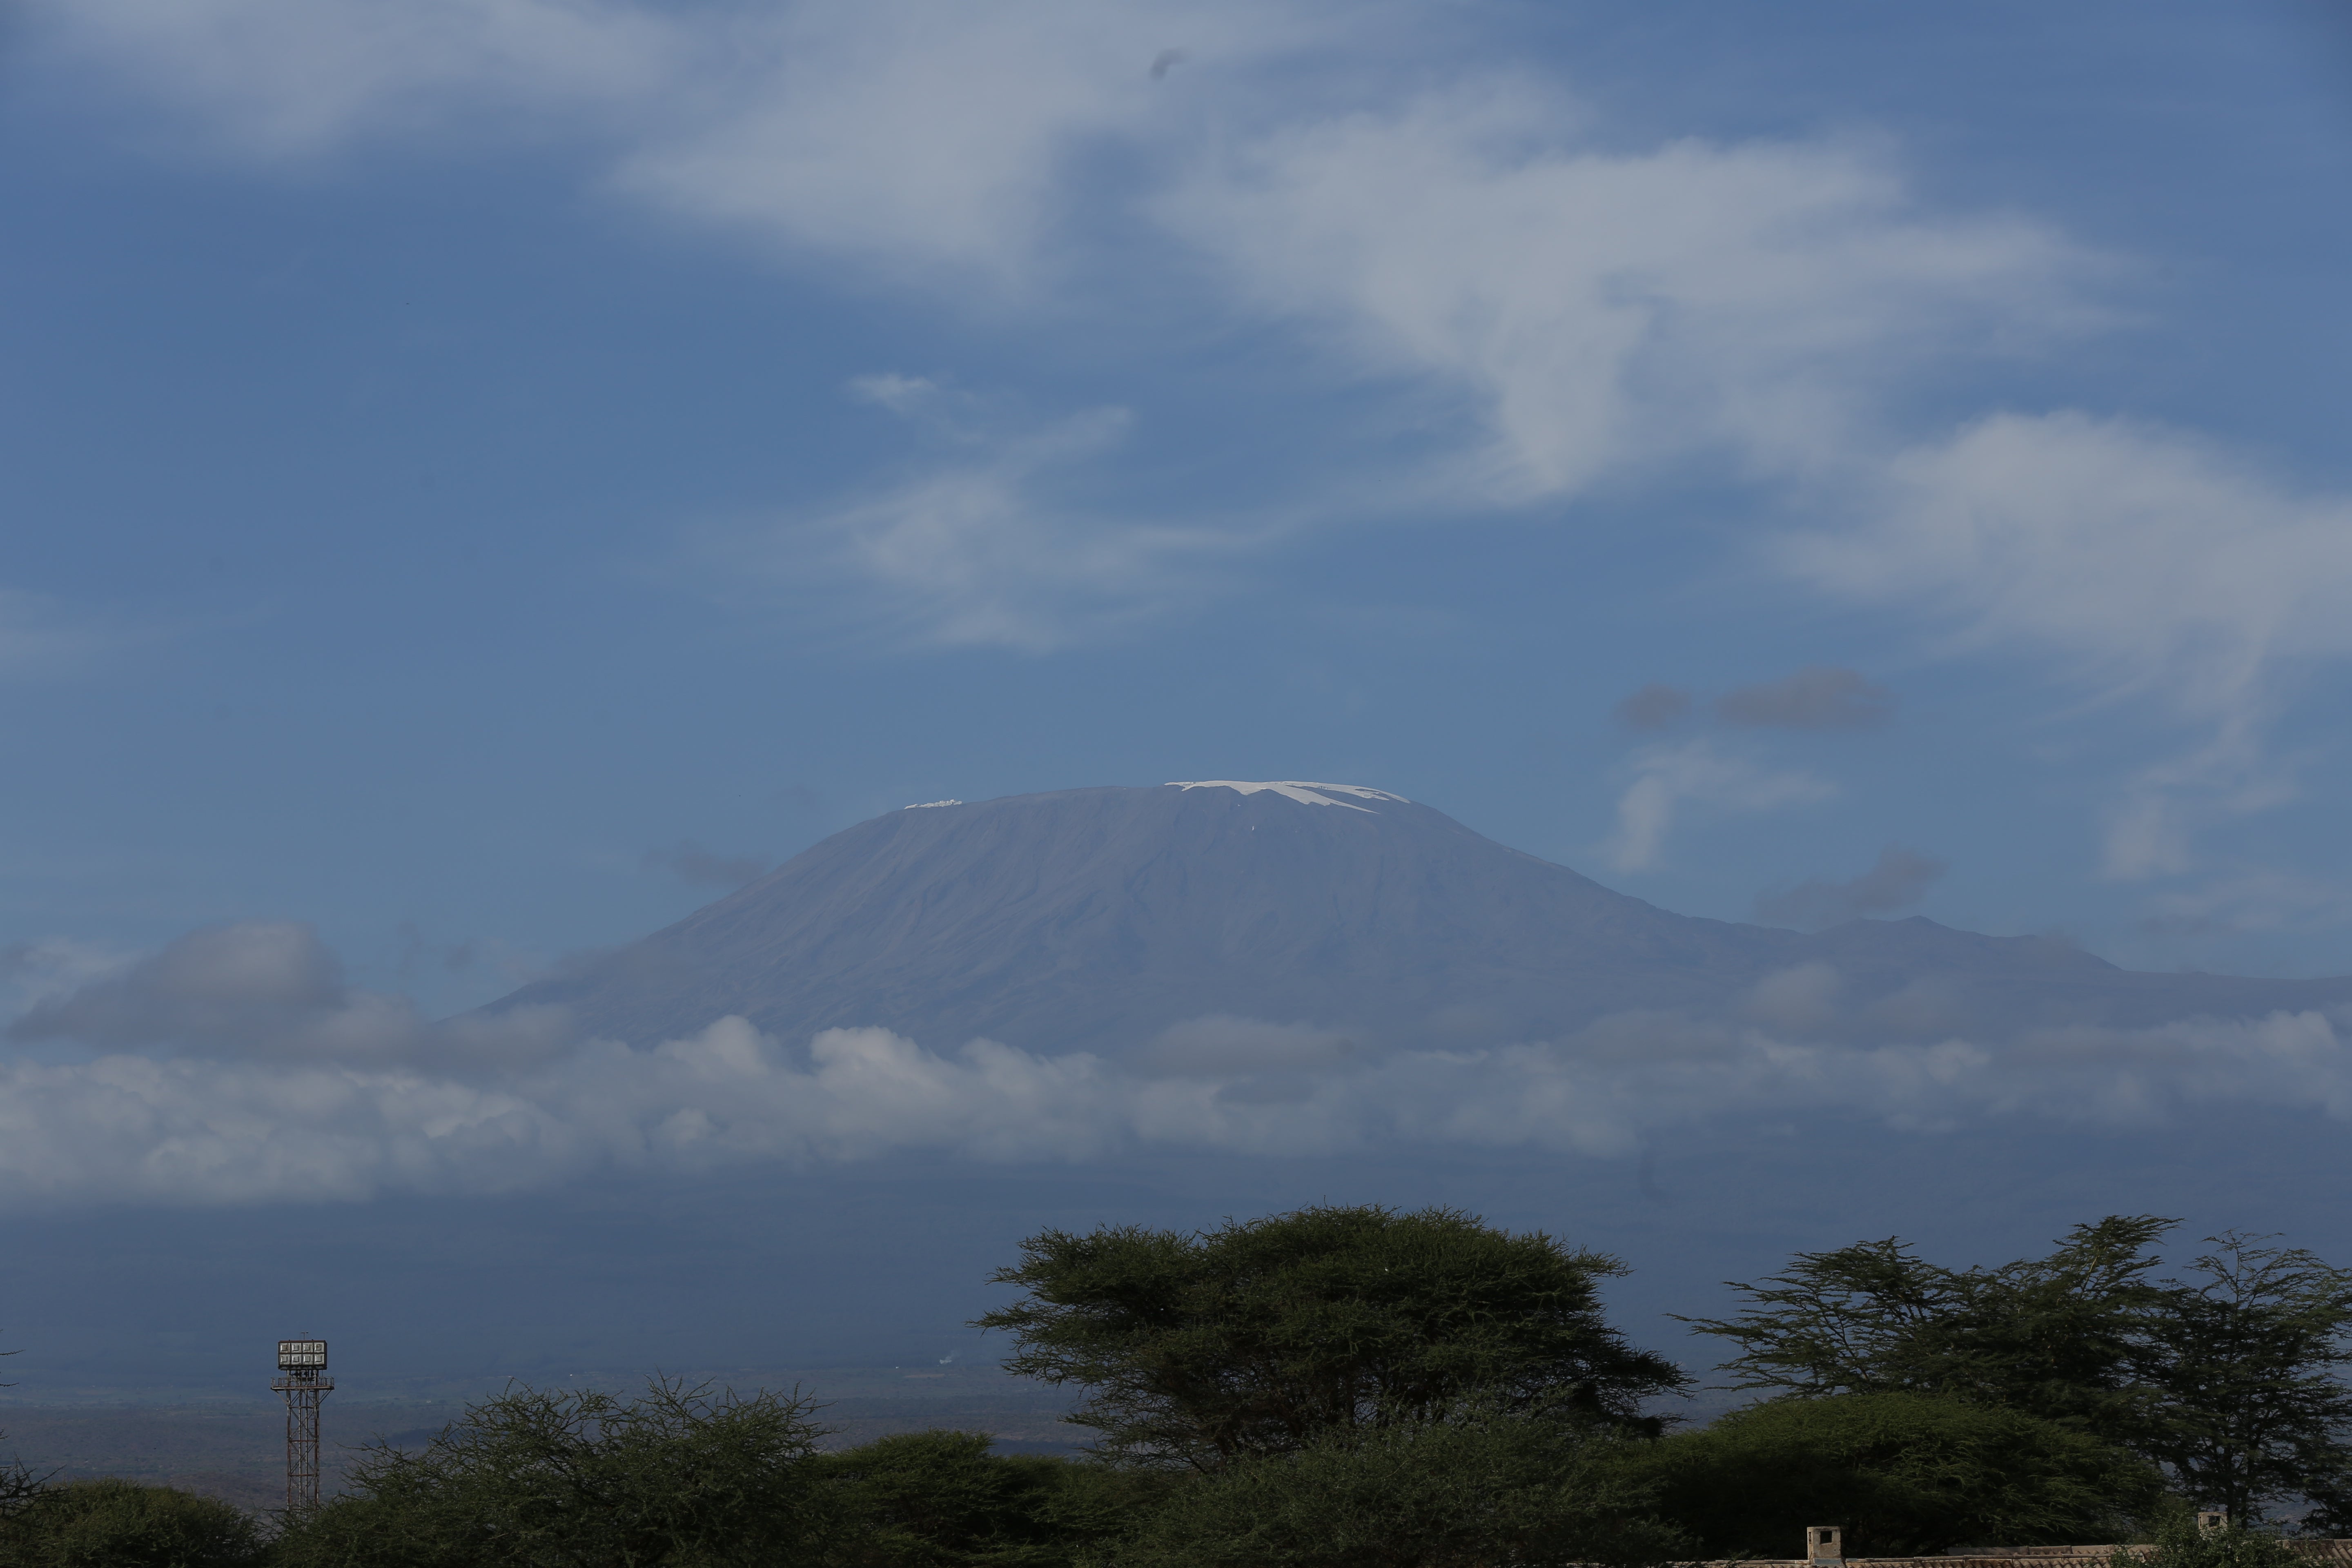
(41, 639)
(290, 79)
(1600, 309)
(1803, 996)
(2147, 562)
(254, 991)
(996, 543)
(927, 134)
(54, 968)
(1219, 1047)
(1557, 310)
(206, 1130)
(913, 133)
(1592, 309)
(1696, 773)
(250, 983)
(234, 1067)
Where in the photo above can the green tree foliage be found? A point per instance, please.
(1264, 1335)
(2058, 1337)
(1906, 1474)
(20, 1488)
(542, 1480)
(2242, 1364)
(941, 1499)
(2180, 1543)
(1454, 1494)
(123, 1524)
(2227, 1379)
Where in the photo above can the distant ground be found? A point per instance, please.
(237, 1450)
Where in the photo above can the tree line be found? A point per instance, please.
(1381, 1389)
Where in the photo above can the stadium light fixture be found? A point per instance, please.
(303, 1379)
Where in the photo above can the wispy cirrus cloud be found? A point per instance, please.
(2150, 560)
(1595, 310)
(936, 140)
(1577, 310)
(1699, 773)
(919, 135)
(1558, 314)
(2147, 563)
(1002, 535)
(286, 79)
(42, 638)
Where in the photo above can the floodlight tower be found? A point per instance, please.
(303, 1379)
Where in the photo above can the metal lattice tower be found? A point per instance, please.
(303, 1379)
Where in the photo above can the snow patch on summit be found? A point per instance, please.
(1305, 793)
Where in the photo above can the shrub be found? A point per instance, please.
(941, 1499)
(584, 1481)
(2180, 1544)
(1906, 1474)
(1452, 1494)
(123, 1524)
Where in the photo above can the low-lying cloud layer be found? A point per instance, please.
(236, 1066)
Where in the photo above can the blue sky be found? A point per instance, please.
(482, 473)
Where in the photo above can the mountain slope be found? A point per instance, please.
(1096, 919)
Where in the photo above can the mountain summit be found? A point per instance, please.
(1100, 918)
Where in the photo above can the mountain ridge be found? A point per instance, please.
(1099, 918)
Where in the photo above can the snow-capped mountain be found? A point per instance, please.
(1102, 919)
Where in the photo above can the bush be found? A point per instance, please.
(1906, 1474)
(583, 1480)
(2180, 1544)
(940, 1500)
(1454, 1495)
(123, 1524)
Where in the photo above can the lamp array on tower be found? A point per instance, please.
(303, 1379)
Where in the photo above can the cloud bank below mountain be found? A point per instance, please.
(235, 1067)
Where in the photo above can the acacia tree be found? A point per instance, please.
(2061, 1337)
(2242, 1364)
(1265, 1336)
(2227, 1379)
